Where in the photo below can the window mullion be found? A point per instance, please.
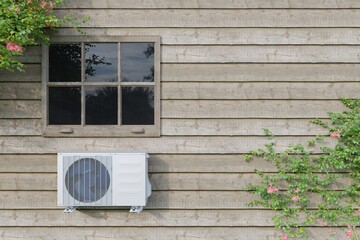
(82, 84)
(119, 84)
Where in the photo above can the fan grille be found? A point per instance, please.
(87, 180)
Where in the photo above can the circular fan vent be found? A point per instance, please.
(87, 180)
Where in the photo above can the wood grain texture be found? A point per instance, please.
(245, 54)
(133, 4)
(20, 127)
(217, 90)
(260, 54)
(31, 54)
(159, 181)
(216, 18)
(166, 200)
(148, 218)
(260, 72)
(205, 108)
(20, 90)
(239, 127)
(159, 233)
(239, 36)
(20, 109)
(32, 73)
(196, 145)
(192, 127)
(221, 90)
(164, 163)
(249, 109)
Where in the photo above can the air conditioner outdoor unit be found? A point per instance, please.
(103, 179)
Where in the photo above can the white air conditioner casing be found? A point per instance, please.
(103, 179)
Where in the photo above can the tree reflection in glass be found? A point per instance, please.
(101, 62)
(101, 105)
(137, 62)
(137, 106)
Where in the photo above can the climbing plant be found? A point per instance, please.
(24, 23)
(315, 188)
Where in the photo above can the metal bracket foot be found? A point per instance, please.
(70, 209)
(136, 209)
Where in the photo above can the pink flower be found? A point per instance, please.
(13, 47)
(335, 134)
(51, 4)
(357, 213)
(272, 190)
(283, 236)
(295, 198)
(297, 191)
(348, 233)
(17, 9)
(43, 4)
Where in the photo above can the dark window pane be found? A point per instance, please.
(101, 106)
(138, 106)
(65, 63)
(64, 105)
(137, 62)
(101, 62)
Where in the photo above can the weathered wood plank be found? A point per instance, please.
(225, 36)
(20, 109)
(260, 54)
(159, 200)
(157, 163)
(246, 54)
(133, 4)
(20, 127)
(249, 109)
(196, 145)
(32, 54)
(159, 181)
(237, 127)
(221, 90)
(148, 218)
(205, 108)
(217, 18)
(20, 91)
(217, 90)
(260, 72)
(32, 73)
(151, 233)
(191, 127)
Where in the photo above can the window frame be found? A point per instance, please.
(101, 130)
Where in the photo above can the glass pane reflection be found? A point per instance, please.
(65, 63)
(137, 106)
(101, 62)
(137, 62)
(64, 105)
(101, 106)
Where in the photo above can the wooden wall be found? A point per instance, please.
(229, 69)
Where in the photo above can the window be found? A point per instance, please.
(101, 86)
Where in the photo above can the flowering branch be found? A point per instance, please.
(24, 23)
(303, 177)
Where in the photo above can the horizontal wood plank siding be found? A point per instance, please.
(194, 4)
(205, 108)
(238, 36)
(176, 145)
(217, 18)
(151, 233)
(228, 69)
